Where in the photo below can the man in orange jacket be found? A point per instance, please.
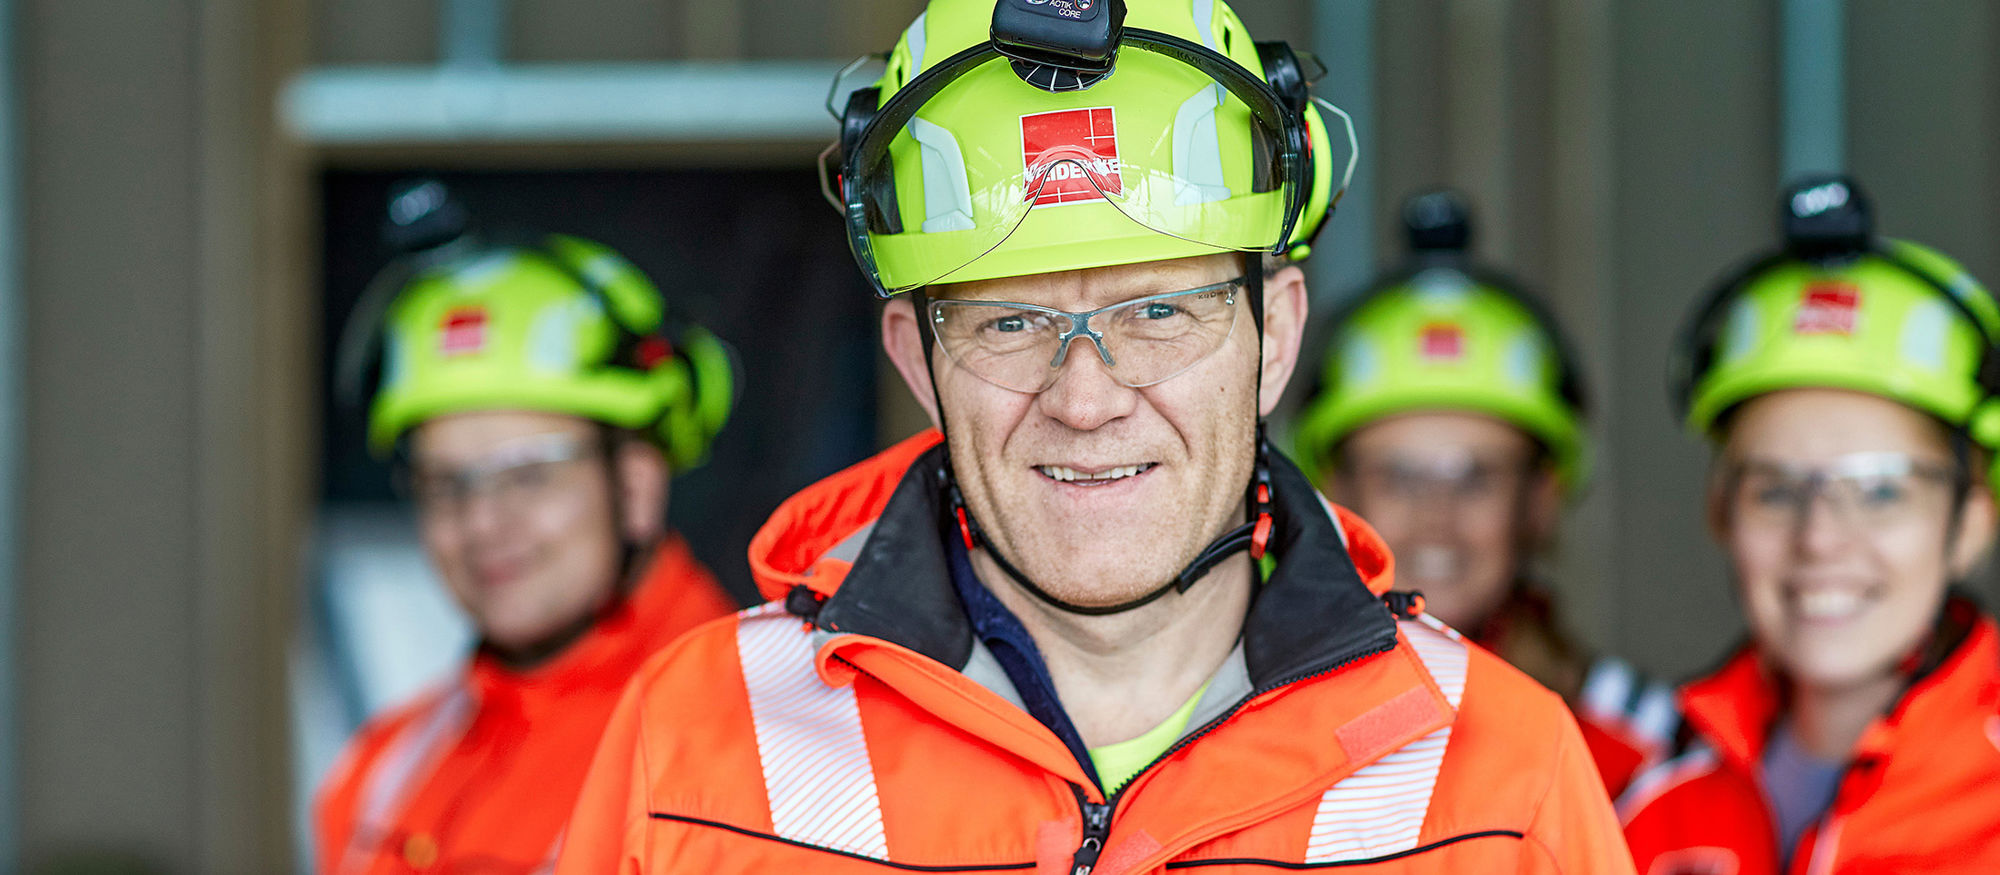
(536, 398)
(1450, 413)
(1047, 644)
(1849, 384)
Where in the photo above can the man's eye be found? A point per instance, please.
(1159, 310)
(1775, 495)
(1010, 324)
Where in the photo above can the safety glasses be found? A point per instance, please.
(1866, 491)
(520, 475)
(1142, 341)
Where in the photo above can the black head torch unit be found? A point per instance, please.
(1059, 45)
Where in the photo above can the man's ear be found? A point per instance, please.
(1284, 333)
(641, 476)
(903, 340)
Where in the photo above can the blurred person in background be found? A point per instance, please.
(1847, 383)
(1450, 413)
(536, 398)
(1097, 625)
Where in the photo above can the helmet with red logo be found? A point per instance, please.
(563, 325)
(1443, 333)
(1015, 137)
(1841, 308)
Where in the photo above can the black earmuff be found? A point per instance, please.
(1826, 220)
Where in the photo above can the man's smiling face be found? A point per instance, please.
(1100, 492)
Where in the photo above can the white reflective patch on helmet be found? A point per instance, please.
(1360, 361)
(1522, 363)
(1926, 330)
(1741, 331)
(1441, 286)
(553, 335)
(913, 38)
(1198, 150)
(469, 278)
(947, 195)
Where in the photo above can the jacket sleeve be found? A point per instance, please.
(607, 829)
(1574, 830)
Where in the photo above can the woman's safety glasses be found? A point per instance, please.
(1865, 491)
(518, 476)
(1142, 341)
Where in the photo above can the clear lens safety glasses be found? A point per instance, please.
(1865, 491)
(1142, 341)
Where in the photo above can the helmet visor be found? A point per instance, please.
(1178, 141)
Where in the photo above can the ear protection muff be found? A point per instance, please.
(1827, 220)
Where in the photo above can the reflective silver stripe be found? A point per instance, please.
(1380, 808)
(1615, 695)
(817, 774)
(413, 752)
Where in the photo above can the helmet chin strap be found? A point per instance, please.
(1253, 535)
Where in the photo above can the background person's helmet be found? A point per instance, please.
(1004, 139)
(565, 326)
(1841, 308)
(1442, 334)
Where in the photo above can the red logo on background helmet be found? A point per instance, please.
(463, 331)
(1070, 155)
(1442, 341)
(1827, 307)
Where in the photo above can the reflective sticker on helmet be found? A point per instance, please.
(1827, 307)
(1442, 342)
(463, 331)
(1926, 333)
(1072, 154)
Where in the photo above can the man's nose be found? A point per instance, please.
(1085, 395)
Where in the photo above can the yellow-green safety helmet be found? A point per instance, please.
(1443, 334)
(1841, 308)
(1015, 137)
(563, 326)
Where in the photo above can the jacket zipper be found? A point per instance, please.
(1097, 816)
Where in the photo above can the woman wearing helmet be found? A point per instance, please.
(1847, 384)
(536, 399)
(1450, 415)
(1041, 641)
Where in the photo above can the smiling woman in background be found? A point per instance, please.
(1847, 383)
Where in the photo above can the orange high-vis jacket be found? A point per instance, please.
(857, 725)
(480, 776)
(1921, 792)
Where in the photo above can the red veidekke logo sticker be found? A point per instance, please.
(1443, 341)
(464, 331)
(1066, 150)
(1827, 308)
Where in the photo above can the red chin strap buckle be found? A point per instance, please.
(1260, 537)
(964, 527)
